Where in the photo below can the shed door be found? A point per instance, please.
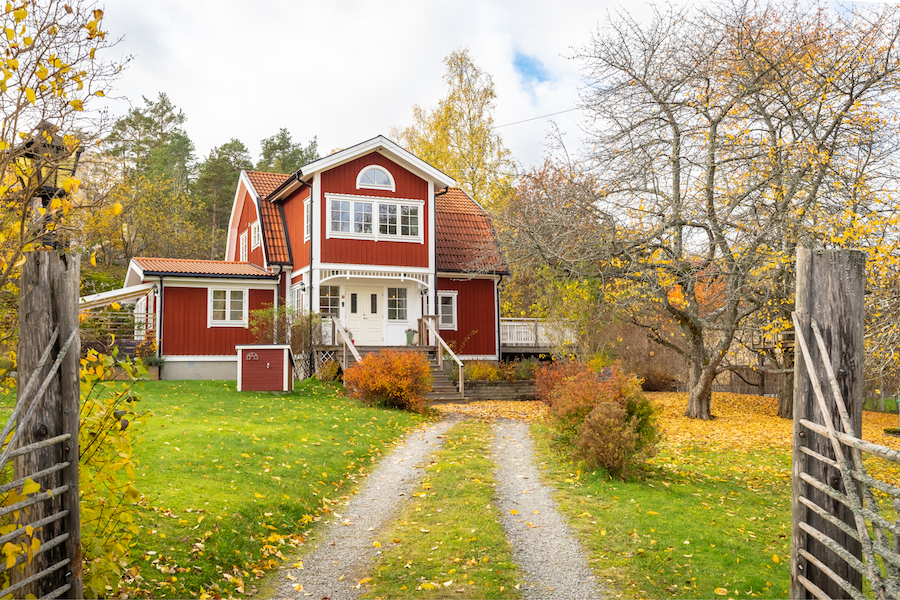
(365, 315)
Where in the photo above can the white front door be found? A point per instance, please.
(364, 315)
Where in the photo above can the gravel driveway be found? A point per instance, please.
(549, 557)
(334, 569)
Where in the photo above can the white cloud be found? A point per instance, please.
(345, 71)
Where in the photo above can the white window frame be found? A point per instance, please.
(374, 186)
(376, 202)
(244, 254)
(228, 322)
(453, 294)
(405, 309)
(254, 235)
(297, 297)
(307, 219)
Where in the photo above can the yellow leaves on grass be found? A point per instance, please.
(721, 591)
(530, 412)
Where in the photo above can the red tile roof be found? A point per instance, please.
(274, 240)
(265, 183)
(200, 268)
(466, 240)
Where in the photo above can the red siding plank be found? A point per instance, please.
(342, 180)
(476, 316)
(184, 328)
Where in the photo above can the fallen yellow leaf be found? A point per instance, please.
(721, 591)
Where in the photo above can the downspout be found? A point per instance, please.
(275, 306)
(497, 286)
(159, 319)
(434, 289)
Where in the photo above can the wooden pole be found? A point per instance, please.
(48, 293)
(66, 291)
(830, 287)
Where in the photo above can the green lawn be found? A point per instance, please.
(448, 539)
(697, 524)
(235, 481)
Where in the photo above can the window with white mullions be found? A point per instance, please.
(340, 216)
(254, 234)
(375, 177)
(362, 217)
(396, 304)
(447, 310)
(330, 300)
(228, 308)
(387, 219)
(307, 224)
(409, 220)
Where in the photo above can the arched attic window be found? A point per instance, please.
(375, 177)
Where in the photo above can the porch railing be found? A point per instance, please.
(534, 333)
(347, 343)
(426, 327)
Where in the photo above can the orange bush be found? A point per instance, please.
(548, 377)
(391, 378)
(585, 422)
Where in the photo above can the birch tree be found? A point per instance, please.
(458, 136)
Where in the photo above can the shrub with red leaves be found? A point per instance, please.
(391, 378)
(601, 418)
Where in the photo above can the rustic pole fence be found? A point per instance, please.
(45, 443)
(830, 506)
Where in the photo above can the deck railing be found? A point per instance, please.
(534, 333)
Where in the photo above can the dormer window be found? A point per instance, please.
(375, 178)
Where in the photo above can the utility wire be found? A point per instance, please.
(536, 118)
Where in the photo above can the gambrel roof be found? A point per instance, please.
(275, 243)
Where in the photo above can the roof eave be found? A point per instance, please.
(263, 277)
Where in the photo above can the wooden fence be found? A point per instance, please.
(41, 501)
(841, 541)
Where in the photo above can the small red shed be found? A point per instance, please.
(265, 368)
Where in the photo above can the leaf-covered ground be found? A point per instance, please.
(710, 517)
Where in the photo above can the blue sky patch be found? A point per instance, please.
(530, 68)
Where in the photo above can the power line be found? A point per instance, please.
(536, 118)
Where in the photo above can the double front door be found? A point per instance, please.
(365, 315)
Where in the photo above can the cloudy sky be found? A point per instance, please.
(346, 71)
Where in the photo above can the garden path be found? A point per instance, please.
(549, 557)
(334, 569)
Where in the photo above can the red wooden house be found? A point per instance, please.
(371, 235)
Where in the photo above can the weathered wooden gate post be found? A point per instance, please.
(830, 286)
(49, 288)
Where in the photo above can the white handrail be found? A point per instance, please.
(345, 336)
(441, 342)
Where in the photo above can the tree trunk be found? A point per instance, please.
(699, 385)
(786, 387)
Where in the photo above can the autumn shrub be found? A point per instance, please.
(391, 378)
(576, 393)
(607, 439)
(330, 371)
(109, 420)
(482, 370)
(548, 377)
(519, 370)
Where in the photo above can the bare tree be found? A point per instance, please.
(722, 138)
